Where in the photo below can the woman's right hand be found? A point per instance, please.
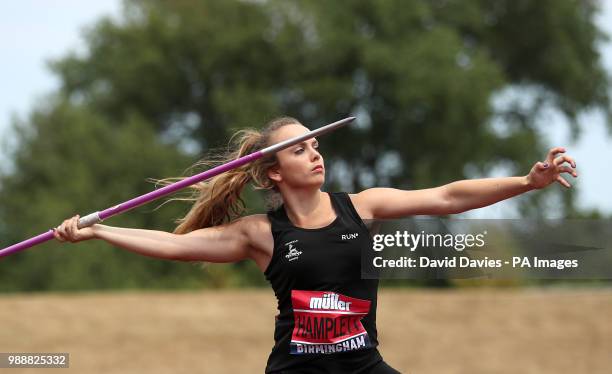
(68, 231)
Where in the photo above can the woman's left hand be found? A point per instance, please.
(544, 173)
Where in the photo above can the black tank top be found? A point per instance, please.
(327, 313)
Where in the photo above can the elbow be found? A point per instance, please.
(174, 252)
(452, 204)
(173, 256)
(452, 207)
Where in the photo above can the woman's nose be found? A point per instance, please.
(315, 154)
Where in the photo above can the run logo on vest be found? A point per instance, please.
(327, 322)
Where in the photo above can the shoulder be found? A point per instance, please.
(255, 224)
(257, 229)
(362, 203)
(367, 202)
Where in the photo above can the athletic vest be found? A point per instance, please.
(326, 312)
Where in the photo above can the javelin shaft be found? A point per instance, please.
(98, 217)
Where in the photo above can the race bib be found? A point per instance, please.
(327, 322)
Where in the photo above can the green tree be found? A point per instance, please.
(420, 74)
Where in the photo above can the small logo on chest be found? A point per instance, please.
(294, 253)
(349, 236)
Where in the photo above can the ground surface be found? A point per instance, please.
(437, 332)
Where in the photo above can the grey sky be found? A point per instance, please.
(32, 31)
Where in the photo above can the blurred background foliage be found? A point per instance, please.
(443, 90)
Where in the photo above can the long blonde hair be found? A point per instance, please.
(217, 200)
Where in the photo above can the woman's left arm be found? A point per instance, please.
(477, 193)
(463, 195)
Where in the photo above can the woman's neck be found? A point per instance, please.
(309, 208)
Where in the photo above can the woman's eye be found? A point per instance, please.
(300, 150)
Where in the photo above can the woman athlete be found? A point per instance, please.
(308, 247)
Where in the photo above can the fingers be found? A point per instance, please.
(76, 223)
(558, 163)
(561, 159)
(71, 228)
(552, 153)
(67, 231)
(57, 235)
(567, 169)
(61, 231)
(563, 182)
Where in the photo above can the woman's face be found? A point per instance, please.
(297, 165)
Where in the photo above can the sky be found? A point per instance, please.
(29, 37)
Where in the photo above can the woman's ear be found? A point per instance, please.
(274, 174)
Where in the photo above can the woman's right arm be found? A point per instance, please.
(224, 243)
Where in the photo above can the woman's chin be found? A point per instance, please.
(317, 182)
